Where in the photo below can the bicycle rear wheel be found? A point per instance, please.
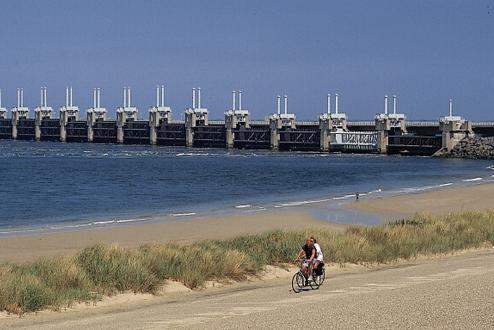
(320, 278)
(314, 283)
(298, 282)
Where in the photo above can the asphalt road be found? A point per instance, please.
(450, 292)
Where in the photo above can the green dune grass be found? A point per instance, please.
(106, 270)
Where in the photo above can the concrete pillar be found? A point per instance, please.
(383, 127)
(63, 123)
(63, 133)
(453, 131)
(230, 124)
(90, 124)
(275, 126)
(15, 121)
(325, 131)
(153, 125)
(190, 123)
(120, 126)
(37, 125)
(382, 141)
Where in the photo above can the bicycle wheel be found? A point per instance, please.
(320, 278)
(314, 283)
(298, 282)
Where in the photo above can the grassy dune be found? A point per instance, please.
(105, 270)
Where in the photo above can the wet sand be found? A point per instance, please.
(470, 198)
(29, 247)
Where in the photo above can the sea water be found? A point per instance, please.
(68, 185)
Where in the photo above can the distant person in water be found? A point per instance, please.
(356, 196)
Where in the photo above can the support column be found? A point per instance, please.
(120, 126)
(90, 124)
(15, 121)
(153, 124)
(37, 125)
(275, 126)
(230, 124)
(453, 132)
(382, 141)
(190, 123)
(325, 132)
(63, 129)
(382, 127)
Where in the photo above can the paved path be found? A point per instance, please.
(451, 292)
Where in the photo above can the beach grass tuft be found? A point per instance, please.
(105, 270)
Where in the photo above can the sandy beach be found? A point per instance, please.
(29, 247)
(469, 198)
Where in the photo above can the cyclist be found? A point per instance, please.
(319, 257)
(309, 253)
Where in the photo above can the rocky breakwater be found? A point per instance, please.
(474, 147)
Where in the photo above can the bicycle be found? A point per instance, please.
(299, 282)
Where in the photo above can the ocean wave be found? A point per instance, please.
(183, 214)
(104, 222)
(243, 206)
(72, 226)
(299, 203)
(131, 220)
(490, 167)
(472, 180)
(193, 154)
(19, 231)
(416, 189)
(343, 197)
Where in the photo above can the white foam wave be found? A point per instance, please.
(490, 167)
(416, 189)
(299, 203)
(130, 220)
(79, 225)
(183, 214)
(472, 180)
(343, 197)
(72, 226)
(192, 154)
(19, 231)
(103, 222)
(243, 206)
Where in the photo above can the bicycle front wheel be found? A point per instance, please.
(298, 282)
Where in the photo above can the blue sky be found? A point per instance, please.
(424, 51)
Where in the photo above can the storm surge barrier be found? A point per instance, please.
(389, 132)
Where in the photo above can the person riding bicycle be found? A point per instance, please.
(318, 261)
(309, 252)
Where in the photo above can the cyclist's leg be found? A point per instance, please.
(310, 267)
(304, 268)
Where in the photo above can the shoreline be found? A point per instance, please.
(28, 247)
(477, 197)
(314, 203)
